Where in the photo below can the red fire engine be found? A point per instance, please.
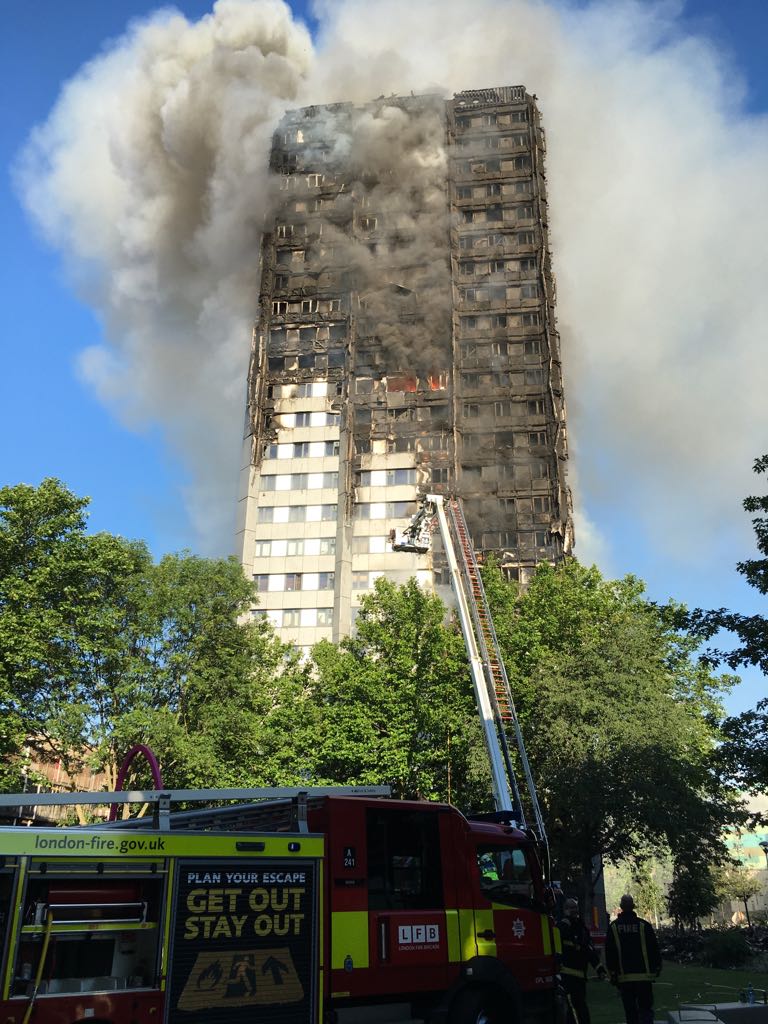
(306, 907)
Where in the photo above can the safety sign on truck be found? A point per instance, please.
(244, 942)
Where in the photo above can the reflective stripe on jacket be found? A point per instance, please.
(578, 951)
(631, 950)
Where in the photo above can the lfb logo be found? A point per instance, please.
(417, 934)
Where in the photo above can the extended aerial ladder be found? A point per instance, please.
(501, 726)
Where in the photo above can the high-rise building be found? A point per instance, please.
(406, 344)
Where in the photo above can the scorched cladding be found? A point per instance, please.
(406, 343)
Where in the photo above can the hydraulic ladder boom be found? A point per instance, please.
(501, 727)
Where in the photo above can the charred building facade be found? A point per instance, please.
(406, 344)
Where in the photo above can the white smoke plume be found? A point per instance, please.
(149, 174)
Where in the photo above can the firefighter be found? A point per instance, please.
(578, 954)
(634, 962)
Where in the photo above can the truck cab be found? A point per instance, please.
(430, 908)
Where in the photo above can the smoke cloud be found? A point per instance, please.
(150, 174)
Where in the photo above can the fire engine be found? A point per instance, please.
(303, 906)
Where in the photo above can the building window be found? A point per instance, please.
(539, 470)
(532, 347)
(266, 514)
(499, 348)
(327, 546)
(464, 192)
(359, 580)
(327, 512)
(292, 581)
(466, 242)
(471, 410)
(468, 216)
(529, 291)
(494, 213)
(279, 308)
(300, 449)
(541, 538)
(325, 616)
(263, 548)
(281, 282)
(534, 377)
(535, 407)
(367, 223)
(530, 319)
(326, 580)
(542, 504)
(537, 438)
(468, 350)
(467, 267)
(527, 265)
(314, 180)
(294, 547)
(502, 408)
(303, 419)
(497, 266)
(262, 582)
(494, 189)
(439, 475)
(526, 238)
(297, 513)
(291, 616)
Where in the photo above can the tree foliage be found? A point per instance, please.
(694, 890)
(393, 703)
(101, 648)
(744, 754)
(618, 717)
(750, 630)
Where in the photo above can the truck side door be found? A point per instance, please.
(408, 936)
(510, 923)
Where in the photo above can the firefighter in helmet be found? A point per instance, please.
(578, 953)
(634, 961)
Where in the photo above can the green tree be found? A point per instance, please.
(750, 630)
(393, 703)
(693, 893)
(617, 717)
(738, 884)
(744, 754)
(100, 648)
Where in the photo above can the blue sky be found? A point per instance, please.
(54, 424)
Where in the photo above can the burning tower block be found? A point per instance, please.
(406, 343)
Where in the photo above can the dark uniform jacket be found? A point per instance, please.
(578, 951)
(631, 950)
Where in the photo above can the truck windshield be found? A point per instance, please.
(504, 875)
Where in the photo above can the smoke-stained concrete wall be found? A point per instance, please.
(406, 281)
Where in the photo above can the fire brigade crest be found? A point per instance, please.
(518, 928)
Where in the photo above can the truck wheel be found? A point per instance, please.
(477, 1006)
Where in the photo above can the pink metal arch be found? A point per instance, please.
(154, 767)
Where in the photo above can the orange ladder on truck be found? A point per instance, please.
(497, 680)
(493, 694)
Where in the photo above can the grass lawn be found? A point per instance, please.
(678, 984)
